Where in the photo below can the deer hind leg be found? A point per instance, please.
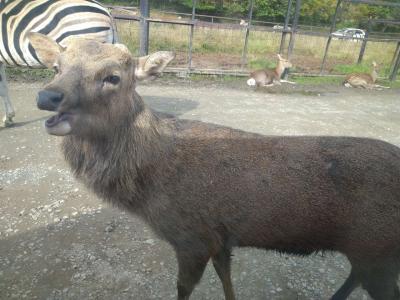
(191, 268)
(348, 286)
(381, 282)
(9, 110)
(379, 279)
(222, 265)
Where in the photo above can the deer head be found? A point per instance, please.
(93, 90)
(284, 63)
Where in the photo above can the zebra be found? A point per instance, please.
(59, 19)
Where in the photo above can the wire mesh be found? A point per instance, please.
(218, 44)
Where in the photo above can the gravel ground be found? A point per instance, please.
(57, 241)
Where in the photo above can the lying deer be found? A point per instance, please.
(364, 80)
(206, 188)
(270, 77)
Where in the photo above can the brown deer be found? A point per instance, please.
(206, 188)
(270, 77)
(363, 80)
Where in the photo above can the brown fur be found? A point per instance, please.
(362, 80)
(206, 188)
(270, 76)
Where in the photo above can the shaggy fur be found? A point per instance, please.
(206, 188)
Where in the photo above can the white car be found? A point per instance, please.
(280, 28)
(349, 33)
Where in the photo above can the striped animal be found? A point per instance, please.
(59, 19)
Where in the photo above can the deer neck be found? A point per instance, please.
(118, 167)
(374, 74)
(279, 70)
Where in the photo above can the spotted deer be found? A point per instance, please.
(363, 80)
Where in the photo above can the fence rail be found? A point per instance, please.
(219, 46)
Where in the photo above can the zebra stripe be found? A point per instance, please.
(58, 19)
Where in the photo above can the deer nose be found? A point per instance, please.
(49, 100)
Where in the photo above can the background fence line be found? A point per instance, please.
(215, 47)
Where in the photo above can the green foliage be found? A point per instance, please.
(271, 9)
(347, 69)
(362, 68)
(261, 63)
(318, 11)
(320, 80)
(313, 12)
(121, 2)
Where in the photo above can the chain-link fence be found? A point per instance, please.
(218, 44)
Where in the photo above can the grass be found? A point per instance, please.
(27, 74)
(320, 80)
(336, 80)
(222, 48)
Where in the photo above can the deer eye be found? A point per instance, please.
(113, 79)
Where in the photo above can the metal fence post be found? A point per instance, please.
(293, 35)
(364, 43)
(394, 57)
(285, 27)
(144, 27)
(294, 28)
(396, 66)
(191, 36)
(246, 39)
(333, 26)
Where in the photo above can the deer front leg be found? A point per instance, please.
(287, 81)
(191, 268)
(9, 110)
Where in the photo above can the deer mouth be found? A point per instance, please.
(59, 124)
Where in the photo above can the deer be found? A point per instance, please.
(364, 80)
(207, 189)
(270, 77)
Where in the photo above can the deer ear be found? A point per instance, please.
(46, 49)
(151, 66)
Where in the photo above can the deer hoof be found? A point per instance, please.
(7, 121)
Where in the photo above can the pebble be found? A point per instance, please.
(149, 241)
(109, 228)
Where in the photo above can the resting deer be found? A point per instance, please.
(363, 80)
(206, 188)
(269, 77)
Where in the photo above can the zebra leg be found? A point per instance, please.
(10, 113)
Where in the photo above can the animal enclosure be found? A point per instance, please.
(59, 242)
(219, 44)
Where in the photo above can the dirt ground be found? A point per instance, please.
(57, 241)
